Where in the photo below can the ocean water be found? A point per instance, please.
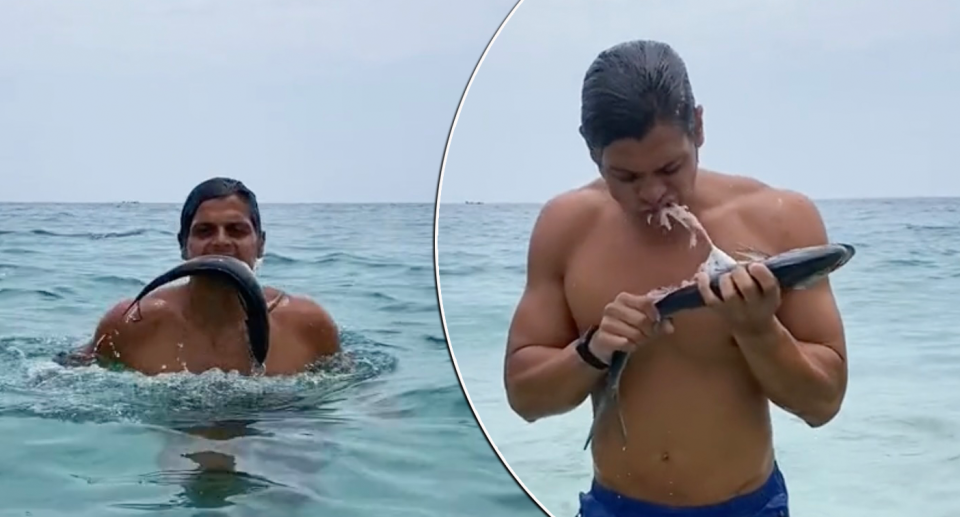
(894, 450)
(391, 436)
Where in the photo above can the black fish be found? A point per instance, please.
(239, 274)
(795, 269)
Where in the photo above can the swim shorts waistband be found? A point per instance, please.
(769, 500)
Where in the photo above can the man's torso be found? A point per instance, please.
(167, 341)
(698, 427)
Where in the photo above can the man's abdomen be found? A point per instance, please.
(696, 433)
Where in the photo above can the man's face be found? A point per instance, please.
(223, 227)
(644, 176)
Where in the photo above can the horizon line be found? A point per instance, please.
(460, 202)
(259, 202)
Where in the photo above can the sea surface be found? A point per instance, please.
(893, 451)
(392, 436)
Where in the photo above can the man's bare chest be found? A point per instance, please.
(609, 263)
(177, 346)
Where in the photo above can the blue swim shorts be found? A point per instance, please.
(769, 500)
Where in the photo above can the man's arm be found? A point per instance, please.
(105, 344)
(543, 374)
(800, 358)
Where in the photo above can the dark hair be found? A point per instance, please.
(629, 88)
(216, 188)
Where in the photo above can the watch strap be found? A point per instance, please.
(583, 349)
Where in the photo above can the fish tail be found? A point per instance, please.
(623, 425)
(598, 413)
(593, 426)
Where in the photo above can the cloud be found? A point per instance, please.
(221, 32)
(698, 26)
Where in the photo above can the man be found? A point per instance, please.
(199, 325)
(694, 395)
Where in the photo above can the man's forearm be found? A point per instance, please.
(545, 381)
(805, 379)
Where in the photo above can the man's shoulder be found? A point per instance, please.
(297, 306)
(128, 322)
(156, 307)
(784, 218)
(302, 312)
(568, 216)
(310, 321)
(579, 204)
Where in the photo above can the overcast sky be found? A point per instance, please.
(847, 98)
(347, 100)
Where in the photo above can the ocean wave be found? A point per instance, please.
(12, 293)
(274, 259)
(466, 270)
(409, 307)
(445, 401)
(21, 268)
(119, 281)
(88, 235)
(342, 257)
(933, 228)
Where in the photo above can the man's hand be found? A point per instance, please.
(749, 297)
(628, 321)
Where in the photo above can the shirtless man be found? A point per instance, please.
(200, 325)
(695, 394)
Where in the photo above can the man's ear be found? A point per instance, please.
(698, 126)
(262, 246)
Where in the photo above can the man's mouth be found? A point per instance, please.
(228, 253)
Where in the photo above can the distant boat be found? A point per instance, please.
(474, 202)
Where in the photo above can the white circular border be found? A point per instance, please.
(436, 264)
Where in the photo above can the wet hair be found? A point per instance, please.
(629, 88)
(217, 188)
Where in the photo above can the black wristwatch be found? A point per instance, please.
(583, 348)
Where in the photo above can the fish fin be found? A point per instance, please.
(809, 282)
(623, 425)
(137, 316)
(593, 425)
(589, 436)
(752, 254)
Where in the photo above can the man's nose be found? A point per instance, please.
(220, 236)
(651, 194)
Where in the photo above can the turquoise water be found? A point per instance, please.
(893, 451)
(392, 436)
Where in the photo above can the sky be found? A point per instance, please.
(305, 101)
(839, 99)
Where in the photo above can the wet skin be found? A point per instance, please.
(695, 403)
(200, 325)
